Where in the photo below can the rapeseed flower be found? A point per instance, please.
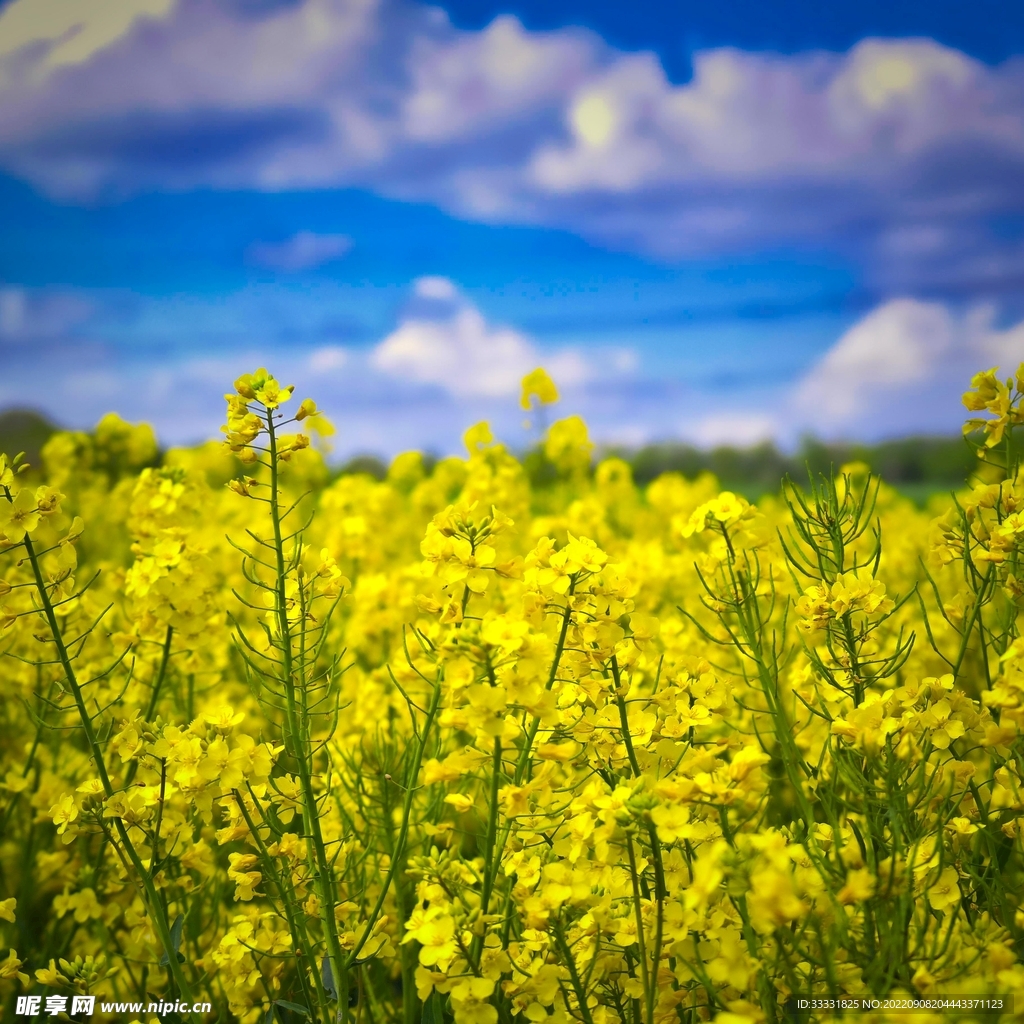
(477, 743)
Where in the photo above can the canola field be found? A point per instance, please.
(451, 747)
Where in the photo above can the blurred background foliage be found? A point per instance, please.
(917, 466)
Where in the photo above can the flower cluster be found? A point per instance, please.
(497, 740)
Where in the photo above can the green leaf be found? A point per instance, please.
(176, 929)
(327, 976)
(294, 1007)
(432, 1013)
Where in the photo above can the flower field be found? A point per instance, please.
(489, 742)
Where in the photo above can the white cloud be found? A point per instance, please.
(463, 355)
(905, 148)
(1005, 348)
(435, 288)
(749, 117)
(34, 315)
(458, 351)
(469, 83)
(738, 430)
(328, 359)
(899, 370)
(893, 347)
(902, 369)
(71, 32)
(13, 311)
(623, 360)
(210, 95)
(305, 250)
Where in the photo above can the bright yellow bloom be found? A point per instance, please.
(20, 516)
(537, 384)
(946, 891)
(50, 976)
(860, 886)
(588, 768)
(63, 812)
(434, 929)
(11, 968)
(223, 717)
(263, 388)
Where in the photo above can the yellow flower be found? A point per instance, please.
(537, 384)
(562, 752)
(946, 891)
(63, 812)
(568, 445)
(306, 408)
(18, 517)
(240, 872)
(48, 500)
(573, 693)
(223, 717)
(724, 509)
(15, 782)
(50, 976)
(83, 904)
(850, 592)
(434, 929)
(772, 900)
(11, 968)
(986, 388)
(733, 965)
(263, 388)
(860, 886)
(90, 788)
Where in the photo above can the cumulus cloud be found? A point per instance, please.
(892, 150)
(899, 370)
(902, 368)
(903, 151)
(433, 287)
(465, 84)
(453, 347)
(740, 430)
(169, 359)
(328, 359)
(70, 34)
(305, 250)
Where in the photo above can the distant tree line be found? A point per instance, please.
(22, 430)
(917, 465)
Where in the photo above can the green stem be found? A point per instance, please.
(153, 698)
(299, 935)
(491, 863)
(403, 832)
(524, 755)
(645, 973)
(152, 897)
(411, 1010)
(574, 975)
(300, 746)
(965, 639)
(161, 673)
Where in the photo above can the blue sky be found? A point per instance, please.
(711, 222)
